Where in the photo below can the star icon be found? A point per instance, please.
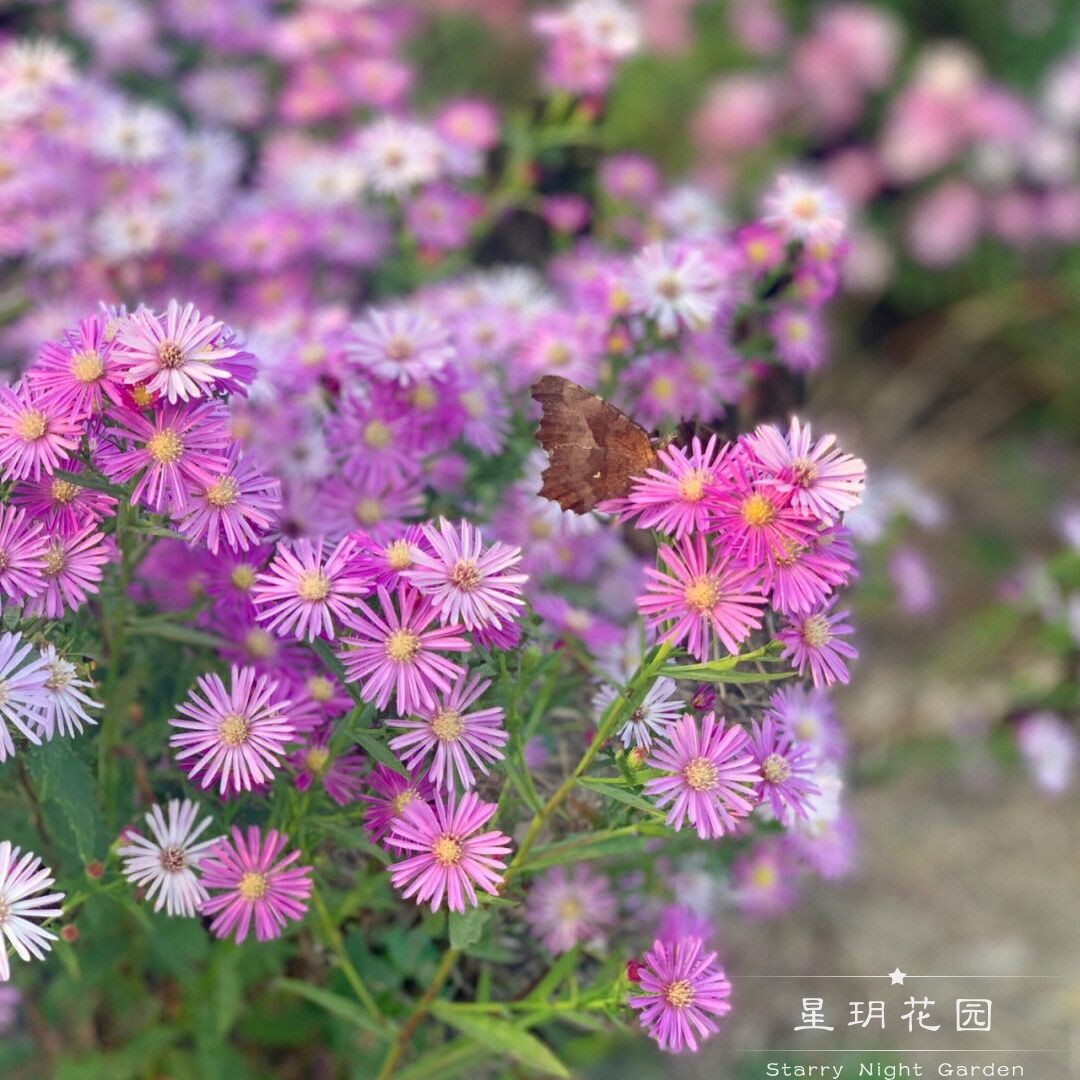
(897, 977)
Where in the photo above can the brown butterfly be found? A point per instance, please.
(593, 448)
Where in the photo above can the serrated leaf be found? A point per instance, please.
(65, 789)
(467, 927)
(501, 1036)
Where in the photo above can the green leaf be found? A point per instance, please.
(378, 750)
(445, 1062)
(713, 673)
(502, 1036)
(321, 648)
(615, 789)
(64, 787)
(467, 927)
(584, 846)
(335, 1004)
(170, 631)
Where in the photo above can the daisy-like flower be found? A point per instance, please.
(238, 733)
(22, 879)
(400, 155)
(78, 372)
(253, 887)
(658, 708)
(710, 775)
(38, 432)
(822, 479)
(238, 505)
(402, 345)
(804, 210)
(673, 499)
(339, 774)
(22, 554)
(763, 880)
(816, 641)
(23, 674)
(65, 702)
(166, 863)
(178, 449)
(807, 715)
(802, 577)
(682, 989)
(390, 794)
(449, 859)
(676, 287)
(302, 591)
(178, 355)
(466, 583)
(567, 907)
(453, 735)
(787, 771)
(60, 506)
(396, 651)
(71, 573)
(384, 562)
(700, 596)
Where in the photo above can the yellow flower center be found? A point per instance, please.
(242, 577)
(702, 594)
(165, 447)
(87, 366)
(447, 725)
(763, 875)
(692, 485)
(317, 758)
(797, 330)
(398, 555)
(368, 511)
(223, 492)
(474, 404)
(447, 850)
(776, 768)
(260, 644)
(234, 730)
(312, 353)
(815, 631)
(402, 646)
(805, 207)
(253, 886)
(679, 994)
(377, 434)
(401, 800)
(32, 425)
(320, 688)
(424, 397)
(399, 348)
(313, 586)
(558, 354)
(757, 511)
(700, 774)
(63, 492)
(663, 388)
(170, 355)
(54, 559)
(465, 575)
(141, 396)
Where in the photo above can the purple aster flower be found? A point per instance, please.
(38, 432)
(23, 677)
(816, 641)
(799, 334)
(453, 735)
(466, 583)
(710, 775)
(339, 774)
(21, 908)
(802, 577)
(179, 355)
(678, 921)
(395, 651)
(682, 988)
(787, 771)
(239, 733)
(384, 561)
(231, 576)
(703, 595)
(401, 345)
(61, 506)
(448, 860)
(565, 908)
(79, 372)
(371, 436)
(378, 509)
(390, 794)
(253, 886)
(22, 554)
(594, 632)
(302, 592)
(807, 715)
(71, 573)
(763, 880)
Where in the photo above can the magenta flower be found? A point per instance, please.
(73, 569)
(403, 345)
(815, 641)
(710, 775)
(238, 505)
(339, 774)
(681, 991)
(383, 562)
(455, 735)
(763, 880)
(79, 372)
(804, 576)
(390, 794)
(449, 859)
(253, 886)
(787, 771)
(22, 554)
(179, 355)
(673, 499)
(37, 432)
(61, 506)
(700, 597)
(238, 733)
(565, 908)
(180, 448)
(394, 651)
(823, 480)
(465, 583)
(302, 593)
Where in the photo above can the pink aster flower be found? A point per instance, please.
(239, 505)
(339, 774)
(79, 371)
(682, 988)
(453, 735)
(390, 793)
(787, 771)
(673, 499)
(594, 632)
(822, 479)
(449, 859)
(763, 880)
(23, 697)
(565, 908)
(179, 355)
(802, 577)
(21, 908)
(394, 651)
(807, 715)
(253, 886)
(815, 641)
(38, 432)
(177, 449)
(383, 562)
(466, 583)
(710, 775)
(403, 345)
(238, 733)
(702, 595)
(302, 592)
(804, 210)
(22, 554)
(60, 505)
(73, 569)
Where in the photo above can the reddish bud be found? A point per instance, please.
(633, 970)
(70, 934)
(95, 870)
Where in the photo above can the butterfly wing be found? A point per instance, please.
(594, 449)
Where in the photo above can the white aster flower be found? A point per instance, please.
(65, 703)
(20, 909)
(23, 672)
